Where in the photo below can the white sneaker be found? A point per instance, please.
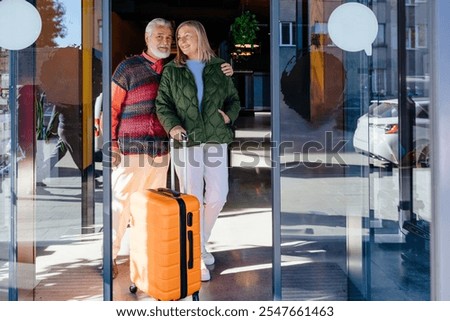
(207, 257)
(205, 272)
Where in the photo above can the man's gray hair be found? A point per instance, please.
(158, 22)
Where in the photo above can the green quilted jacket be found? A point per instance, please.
(177, 103)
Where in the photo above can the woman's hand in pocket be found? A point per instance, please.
(226, 119)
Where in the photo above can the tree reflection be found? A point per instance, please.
(53, 27)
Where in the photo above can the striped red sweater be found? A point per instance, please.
(136, 125)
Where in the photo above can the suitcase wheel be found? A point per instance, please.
(195, 297)
(133, 288)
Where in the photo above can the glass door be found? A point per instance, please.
(5, 178)
(68, 194)
(354, 168)
(399, 128)
(51, 192)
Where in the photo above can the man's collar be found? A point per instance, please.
(157, 64)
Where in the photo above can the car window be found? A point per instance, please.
(384, 110)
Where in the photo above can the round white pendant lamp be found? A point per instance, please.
(20, 24)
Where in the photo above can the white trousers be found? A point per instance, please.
(135, 172)
(207, 171)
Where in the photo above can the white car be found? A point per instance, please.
(376, 133)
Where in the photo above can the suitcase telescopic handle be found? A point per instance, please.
(184, 139)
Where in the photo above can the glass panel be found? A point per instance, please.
(400, 182)
(323, 187)
(5, 187)
(355, 179)
(58, 232)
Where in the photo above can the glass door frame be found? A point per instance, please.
(275, 151)
(13, 292)
(440, 96)
(107, 214)
(440, 259)
(440, 160)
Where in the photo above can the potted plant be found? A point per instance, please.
(40, 125)
(244, 35)
(43, 130)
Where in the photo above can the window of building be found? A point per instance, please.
(416, 37)
(287, 34)
(381, 36)
(100, 31)
(379, 80)
(414, 2)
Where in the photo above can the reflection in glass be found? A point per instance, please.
(58, 231)
(343, 161)
(5, 165)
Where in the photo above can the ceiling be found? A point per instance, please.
(216, 15)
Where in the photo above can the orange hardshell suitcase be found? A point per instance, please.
(165, 243)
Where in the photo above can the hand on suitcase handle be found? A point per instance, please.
(184, 139)
(168, 191)
(115, 155)
(178, 133)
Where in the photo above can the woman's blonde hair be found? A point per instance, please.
(205, 53)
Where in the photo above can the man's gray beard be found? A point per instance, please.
(159, 54)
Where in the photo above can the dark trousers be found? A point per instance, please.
(69, 141)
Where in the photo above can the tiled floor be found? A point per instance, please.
(240, 242)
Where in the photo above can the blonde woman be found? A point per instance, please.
(197, 99)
